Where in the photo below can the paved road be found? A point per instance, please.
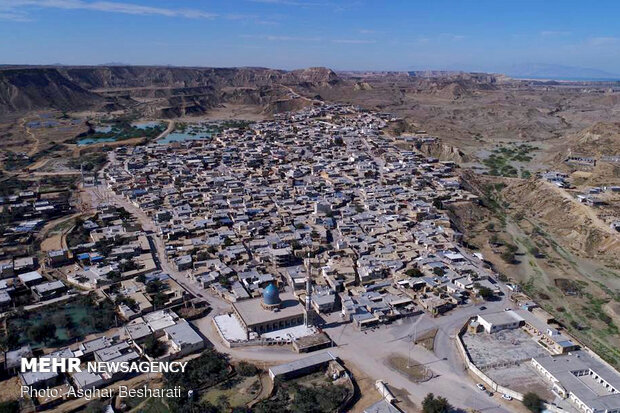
(368, 351)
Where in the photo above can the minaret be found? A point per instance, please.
(308, 314)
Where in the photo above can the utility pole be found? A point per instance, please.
(308, 315)
(415, 338)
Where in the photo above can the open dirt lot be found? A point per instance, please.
(522, 378)
(505, 347)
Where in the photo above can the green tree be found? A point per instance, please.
(43, 332)
(508, 256)
(414, 272)
(432, 404)
(159, 300)
(154, 347)
(484, 292)
(154, 286)
(495, 240)
(533, 402)
(10, 406)
(9, 341)
(317, 399)
(96, 406)
(246, 369)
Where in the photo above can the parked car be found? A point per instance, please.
(506, 397)
(482, 307)
(489, 393)
(480, 386)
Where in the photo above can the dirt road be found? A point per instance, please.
(366, 350)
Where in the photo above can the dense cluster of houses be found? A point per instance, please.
(22, 215)
(110, 255)
(26, 211)
(176, 336)
(238, 211)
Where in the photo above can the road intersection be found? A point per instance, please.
(367, 350)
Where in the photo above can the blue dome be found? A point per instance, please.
(271, 295)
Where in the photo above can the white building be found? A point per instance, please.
(503, 320)
(589, 384)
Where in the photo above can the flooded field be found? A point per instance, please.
(203, 130)
(62, 323)
(189, 132)
(119, 131)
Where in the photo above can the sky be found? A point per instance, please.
(474, 35)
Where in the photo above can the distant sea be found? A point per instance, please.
(567, 79)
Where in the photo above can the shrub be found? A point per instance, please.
(432, 404)
(247, 369)
(11, 406)
(533, 402)
(413, 272)
(508, 256)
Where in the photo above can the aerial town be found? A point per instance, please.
(309, 206)
(316, 241)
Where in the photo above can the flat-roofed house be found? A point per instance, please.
(503, 320)
(184, 339)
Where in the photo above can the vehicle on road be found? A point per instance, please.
(482, 307)
(506, 397)
(489, 393)
(480, 386)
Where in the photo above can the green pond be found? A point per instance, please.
(73, 321)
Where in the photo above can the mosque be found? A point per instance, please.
(272, 311)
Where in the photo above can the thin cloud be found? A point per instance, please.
(288, 2)
(275, 38)
(283, 38)
(292, 39)
(451, 36)
(15, 9)
(440, 38)
(554, 33)
(354, 41)
(603, 41)
(16, 17)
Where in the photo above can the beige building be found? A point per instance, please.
(270, 312)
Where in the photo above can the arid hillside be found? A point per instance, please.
(468, 110)
(576, 224)
(155, 91)
(474, 111)
(600, 139)
(558, 250)
(25, 90)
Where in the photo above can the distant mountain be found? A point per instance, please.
(25, 89)
(557, 72)
(170, 91)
